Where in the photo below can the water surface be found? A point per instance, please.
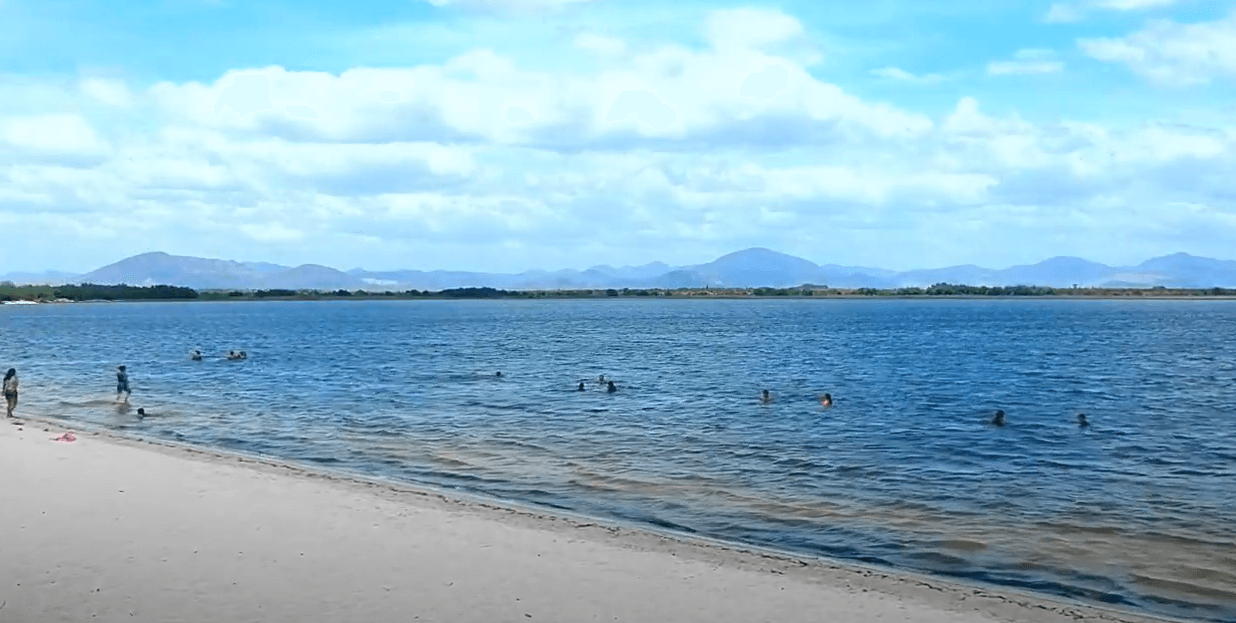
(1139, 510)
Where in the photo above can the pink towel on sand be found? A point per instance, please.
(65, 437)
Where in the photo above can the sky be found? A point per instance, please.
(507, 135)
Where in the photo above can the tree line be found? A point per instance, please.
(88, 292)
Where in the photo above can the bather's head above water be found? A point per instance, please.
(612, 387)
(998, 420)
(1081, 420)
(766, 397)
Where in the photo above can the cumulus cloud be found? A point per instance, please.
(1168, 52)
(729, 143)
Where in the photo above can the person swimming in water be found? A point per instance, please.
(196, 356)
(612, 388)
(498, 373)
(826, 401)
(141, 412)
(122, 384)
(601, 379)
(766, 397)
(581, 386)
(1081, 420)
(998, 420)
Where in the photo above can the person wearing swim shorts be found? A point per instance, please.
(122, 384)
(10, 390)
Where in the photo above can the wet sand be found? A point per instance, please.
(111, 529)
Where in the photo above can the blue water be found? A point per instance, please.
(1138, 511)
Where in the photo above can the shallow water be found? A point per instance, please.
(1139, 510)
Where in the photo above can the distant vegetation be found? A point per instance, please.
(90, 292)
(87, 292)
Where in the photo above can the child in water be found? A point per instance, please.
(10, 390)
(826, 401)
(122, 384)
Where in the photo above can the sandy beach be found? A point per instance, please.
(112, 529)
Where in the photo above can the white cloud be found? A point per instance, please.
(64, 136)
(455, 164)
(110, 92)
(901, 75)
(1027, 61)
(1172, 53)
(745, 29)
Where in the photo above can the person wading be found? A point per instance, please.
(10, 390)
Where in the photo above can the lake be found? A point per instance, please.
(1138, 510)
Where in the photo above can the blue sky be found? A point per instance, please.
(503, 135)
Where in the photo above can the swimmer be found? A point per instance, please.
(581, 386)
(611, 388)
(196, 356)
(826, 401)
(141, 412)
(999, 419)
(766, 397)
(498, 373)
(1081, 420)
(601, 379)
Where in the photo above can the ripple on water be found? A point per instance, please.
(904, 470)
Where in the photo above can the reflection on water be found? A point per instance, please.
(1138, 510)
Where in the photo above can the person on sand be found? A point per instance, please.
(826, 401)
(122, 383)
(999, 419)
(1081, 420)
(766, 397)
(612, 388)
(10, 390)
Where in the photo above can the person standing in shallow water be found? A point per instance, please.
(122, 383)
(10, 390)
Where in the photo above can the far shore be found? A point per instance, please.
(116, 528)
(692, 295)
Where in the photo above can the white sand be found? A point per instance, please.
(108, 529)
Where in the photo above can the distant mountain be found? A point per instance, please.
(161, 268)
(756, 267)
(313, 277)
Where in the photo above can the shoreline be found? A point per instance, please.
(866, 589)
(549, 296)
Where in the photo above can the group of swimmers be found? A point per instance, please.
(609, 385)
(826, 400)
(232, 355)
(998, 419)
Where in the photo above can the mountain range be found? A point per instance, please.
(756, 267)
